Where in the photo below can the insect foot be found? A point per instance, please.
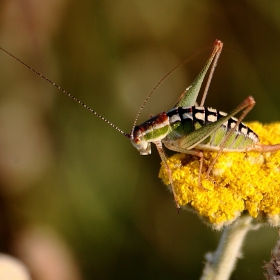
(239, 182)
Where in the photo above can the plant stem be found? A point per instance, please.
(220, 264)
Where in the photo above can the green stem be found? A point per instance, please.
(220, 264)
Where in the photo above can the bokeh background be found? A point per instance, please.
(76, 199)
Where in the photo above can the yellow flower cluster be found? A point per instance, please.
(238, 182)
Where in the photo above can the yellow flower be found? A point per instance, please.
(248, 181)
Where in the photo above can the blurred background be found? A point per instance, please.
(77, 201)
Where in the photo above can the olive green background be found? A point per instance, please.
(64, 169)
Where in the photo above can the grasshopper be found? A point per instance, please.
(187, 127)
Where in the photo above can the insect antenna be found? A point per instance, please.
(160, 82)
(68, 94)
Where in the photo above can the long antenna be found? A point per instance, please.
(68, 94)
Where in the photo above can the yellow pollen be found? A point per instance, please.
(238, 182)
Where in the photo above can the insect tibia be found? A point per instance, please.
(189, 96)
(265, 148)
(218, 45)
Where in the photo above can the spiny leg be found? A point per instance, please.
(189, 152)
(200, 155)
(189, 96)
(164, 160)
(210, 76)
(265, 148)
(248, 104)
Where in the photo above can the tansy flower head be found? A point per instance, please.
(247, 181)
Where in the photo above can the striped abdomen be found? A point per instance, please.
(184, 120)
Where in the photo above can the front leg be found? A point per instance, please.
(192, 152)
(163, 159)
